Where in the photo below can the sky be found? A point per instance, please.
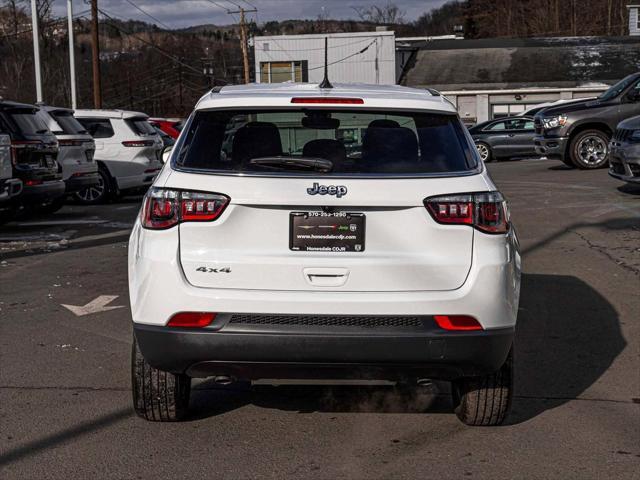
(184, 13)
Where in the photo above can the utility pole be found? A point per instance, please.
(243, 40)
(72, 56)
(95, 54)
(180, 102)
(36, 49)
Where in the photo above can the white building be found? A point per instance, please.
(634, 19)
(360, 57)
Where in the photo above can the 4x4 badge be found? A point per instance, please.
(337, 190)
(213, 270)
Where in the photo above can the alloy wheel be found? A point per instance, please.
(94, 193)
(483, 150)
(592, 150)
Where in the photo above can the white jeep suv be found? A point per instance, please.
(350, 232)
(128, 152)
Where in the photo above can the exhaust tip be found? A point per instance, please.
(424, 382)
(223, 380)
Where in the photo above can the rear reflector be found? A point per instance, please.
(457, 322)
(191, 319)
(138, 143)
(70, 143)
(338, 100)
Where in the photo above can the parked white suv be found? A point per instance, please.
(350, 232)
(75, 154)
(128, 152)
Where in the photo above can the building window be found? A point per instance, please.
(278, 72)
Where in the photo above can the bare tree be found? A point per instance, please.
(389, 14)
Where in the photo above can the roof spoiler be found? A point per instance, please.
(433, 92)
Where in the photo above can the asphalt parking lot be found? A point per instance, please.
(65, 408)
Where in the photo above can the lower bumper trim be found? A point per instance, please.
(253, 356)
(80, 182)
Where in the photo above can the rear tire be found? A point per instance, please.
(53, 206)
(158, 396)
(568, 162)
(101, 193)
(485, 400)
(485, 152)
(7, 215)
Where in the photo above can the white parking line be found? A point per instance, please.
(90, 238)
(48, 223)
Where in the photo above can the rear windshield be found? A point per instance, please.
(340, 141)
(97, 127)
(27, 122)
(67, 123)
(141, 126)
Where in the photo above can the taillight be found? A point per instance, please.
(70, 143)
(457, 322)
(138, 143)
(17, 145)
(485, 211)
(164, 208)
(191, 319)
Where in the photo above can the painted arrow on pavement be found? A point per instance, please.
(94, 306)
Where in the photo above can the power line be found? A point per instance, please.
(309, 49)
(253, 7)
(218, 5)
(345, 58)
(162, 51)
(234, 3)
(149, 15)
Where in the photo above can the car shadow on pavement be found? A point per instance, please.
(568, 335)
(630, 188)
(209, 400)
(64, 436)
(561, 166)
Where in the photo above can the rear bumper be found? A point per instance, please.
(135, 182)
(10, 188)
(551, 147)
(43, 192)
(81, 181)
(280, 354)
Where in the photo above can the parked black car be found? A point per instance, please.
(624, 161)
(578, 133)
(9, 186)
(504, 138)
(34, 151)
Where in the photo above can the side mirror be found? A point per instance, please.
(166, 153)
(634, 95)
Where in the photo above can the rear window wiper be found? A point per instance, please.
(281, 163)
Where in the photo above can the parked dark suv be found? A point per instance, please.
(578, 133)
(34, 151)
